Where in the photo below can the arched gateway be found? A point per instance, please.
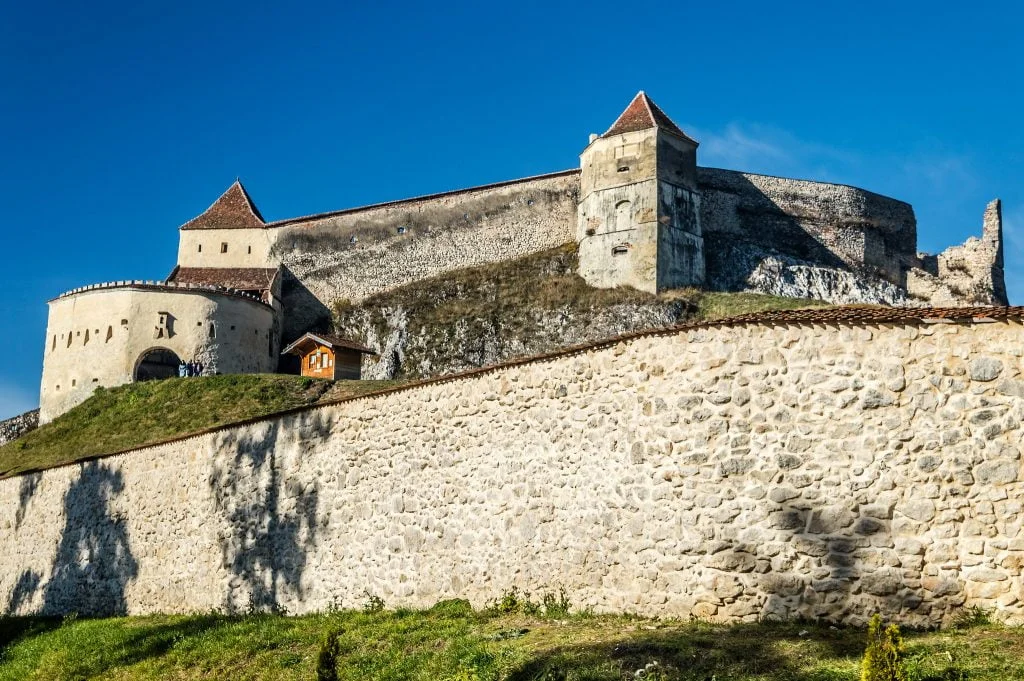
(156, 363)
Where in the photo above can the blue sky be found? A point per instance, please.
(120, 121)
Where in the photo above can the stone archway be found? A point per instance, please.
(155, 364)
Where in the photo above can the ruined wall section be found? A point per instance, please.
(971, 272)
(732, 472)
(96, 335)
(16, 426)
(805, 239)
(351, 254)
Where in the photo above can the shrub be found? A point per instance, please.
(883, 659)
(327, 660)
(974, 616)
(373, 602)
(556, 605)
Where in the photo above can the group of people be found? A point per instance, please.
(190, 368)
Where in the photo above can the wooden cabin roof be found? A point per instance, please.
(310, 341)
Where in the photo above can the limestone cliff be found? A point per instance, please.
(486, 315)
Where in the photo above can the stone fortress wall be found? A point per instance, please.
(823, 464)
(16, 426)
(796, 238)
(96, 336)
(351, 254)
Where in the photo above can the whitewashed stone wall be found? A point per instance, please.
(730, 472)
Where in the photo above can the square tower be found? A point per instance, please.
(638, 220)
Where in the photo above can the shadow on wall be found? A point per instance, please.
(272, 520)
(94, 562)
(751, 226)
(304, 311)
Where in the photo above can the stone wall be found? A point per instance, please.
(728, 471)
(749, 219)
(351, 254)
(16, 426)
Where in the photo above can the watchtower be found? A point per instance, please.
(638, 218)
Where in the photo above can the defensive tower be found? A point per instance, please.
(639, 212)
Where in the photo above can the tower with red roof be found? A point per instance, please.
(638, 217)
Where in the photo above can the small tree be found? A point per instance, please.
(327, 662)
(883, 659)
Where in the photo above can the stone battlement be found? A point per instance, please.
(160, 286)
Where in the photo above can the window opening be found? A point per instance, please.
(223, 248)
(200, 248)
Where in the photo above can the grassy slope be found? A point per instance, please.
(452, 642)
(543, 281)
(143, 413)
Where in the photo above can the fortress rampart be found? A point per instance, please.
(826, 464)
(97, 335)
(348, 255)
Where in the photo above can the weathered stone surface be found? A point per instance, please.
(569, 472)
(15, 427)
(985, 369)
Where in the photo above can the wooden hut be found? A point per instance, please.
(325, 356)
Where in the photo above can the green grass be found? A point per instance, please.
(144, 413)
(720, 305)
(452, 642)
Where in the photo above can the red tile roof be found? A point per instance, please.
(642, 114)
(241, 278)
(233, 210)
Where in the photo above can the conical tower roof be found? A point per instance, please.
(642, 114)
(233, 210)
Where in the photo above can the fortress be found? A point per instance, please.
(643, 213)
(820, 463)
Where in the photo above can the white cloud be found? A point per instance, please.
(752, 147)
(14, 401)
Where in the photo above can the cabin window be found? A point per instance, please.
(200, 248)
(223, 248)
(620, 250)
(249, 249)
(73, 383)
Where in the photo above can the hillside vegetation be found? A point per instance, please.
(534, 305)
(145, 413)
(451, 642)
